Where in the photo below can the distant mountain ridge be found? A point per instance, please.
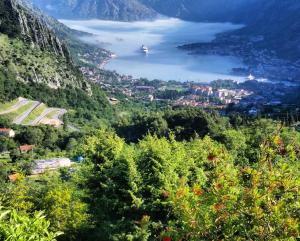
(277, 21)
(123, 10)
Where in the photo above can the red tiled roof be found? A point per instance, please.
(25, 148)
(5, 130)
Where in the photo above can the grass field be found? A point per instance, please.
(13, 115)
(34, 114)
(51, 114)
(8, 105)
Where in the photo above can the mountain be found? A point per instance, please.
(276, 22)
(200, 10)
(124, 10)
(17, 21)
(31, 52)
(35, 63)
(70, 37)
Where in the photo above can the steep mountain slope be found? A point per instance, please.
(70, 37)
(31, 52)
(124, 10)
(200, 10)
(16, 21)
(35, 64)
(279, 23)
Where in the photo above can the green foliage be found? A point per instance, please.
(259, 202)
(185, 123)
(27, 63)
(61, 201)
(195, 190)
(19, 227)
(86, 107)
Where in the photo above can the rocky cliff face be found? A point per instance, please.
(30, 51)
(17, 21)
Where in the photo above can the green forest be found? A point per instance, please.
(184, 175)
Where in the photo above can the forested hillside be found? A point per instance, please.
(27, 46)
(36, 64)
(243, 183)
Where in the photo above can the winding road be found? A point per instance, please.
(47, 113)
(23, 116)
(42, 116)
(56, 115)
(15, 107)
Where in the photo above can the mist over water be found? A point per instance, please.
(164, 61)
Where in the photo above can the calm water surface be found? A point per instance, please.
(164, 61)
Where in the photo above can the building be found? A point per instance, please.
(253, 111)
(113, 101)
(146, 89)
(7, 132)
(223, 93)
(202, 90)
(40, 166)
(26, 148)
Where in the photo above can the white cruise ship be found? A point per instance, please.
(144, 49)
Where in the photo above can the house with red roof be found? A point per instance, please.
(26, 148)
(7, 132)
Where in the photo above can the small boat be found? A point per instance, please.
(144, 49)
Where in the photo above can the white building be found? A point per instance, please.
(7, 132)
(40, 166)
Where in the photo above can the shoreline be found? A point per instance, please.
(259, 62)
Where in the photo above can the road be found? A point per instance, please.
(73, 128)
(42, 116)
(23, 116)
(58, 114)
(15, 107)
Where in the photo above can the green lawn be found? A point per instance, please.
(8, 105)
(51, 114)
(34, 114)
(31, 117)
(19, 111)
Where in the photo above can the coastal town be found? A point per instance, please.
(252, 96)
(258, 60)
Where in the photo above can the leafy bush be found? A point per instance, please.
(20, 227)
